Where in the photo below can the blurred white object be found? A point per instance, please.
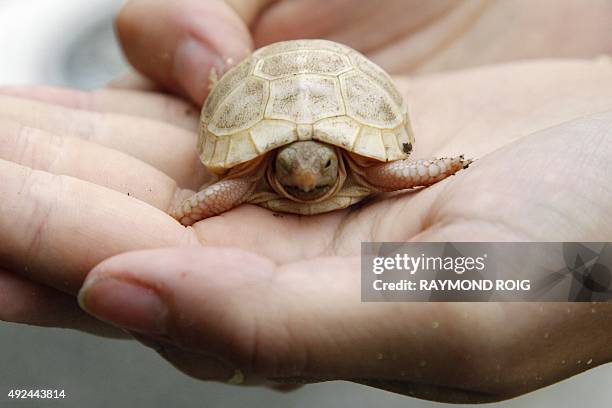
(60, 42)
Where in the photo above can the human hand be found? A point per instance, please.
(75, 168)
(286, 303)
(177, 43)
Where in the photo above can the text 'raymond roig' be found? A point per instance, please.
(457, 265)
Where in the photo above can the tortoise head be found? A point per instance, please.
(306, 170)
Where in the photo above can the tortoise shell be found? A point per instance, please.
(303, 90)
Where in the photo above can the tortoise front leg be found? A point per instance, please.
(214, 200)
(403, 174)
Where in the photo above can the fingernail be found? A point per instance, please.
(193, 62)
(124, 304)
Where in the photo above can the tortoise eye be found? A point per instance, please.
(328, 163)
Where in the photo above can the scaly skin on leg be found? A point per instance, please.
(214, 200)
(403, 174)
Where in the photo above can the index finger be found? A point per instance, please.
(54, 229)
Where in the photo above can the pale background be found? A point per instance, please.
(70, 42)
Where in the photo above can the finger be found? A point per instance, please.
(133, 80)
(165, 147)
(138, 300)
(266, 320)
(54, 229)
(159, 107)
(22, 301)
(41, 150)
(178, 43)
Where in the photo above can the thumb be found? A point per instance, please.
(270, 321)
(177, 43)
(230, 315)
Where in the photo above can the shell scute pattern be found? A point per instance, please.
(223, 88)
(304, 98)
(369, 143)
(376, 74)
(366, 103)
(241, 145)
(270, 134)
(340, 131)
(298, 62)
(241, 109)
(297, 45)
(297, 90)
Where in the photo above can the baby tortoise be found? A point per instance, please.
(306, 127)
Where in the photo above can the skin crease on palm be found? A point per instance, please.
(286, 304)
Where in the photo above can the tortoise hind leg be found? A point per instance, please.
(403, 174)
(214, 200)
